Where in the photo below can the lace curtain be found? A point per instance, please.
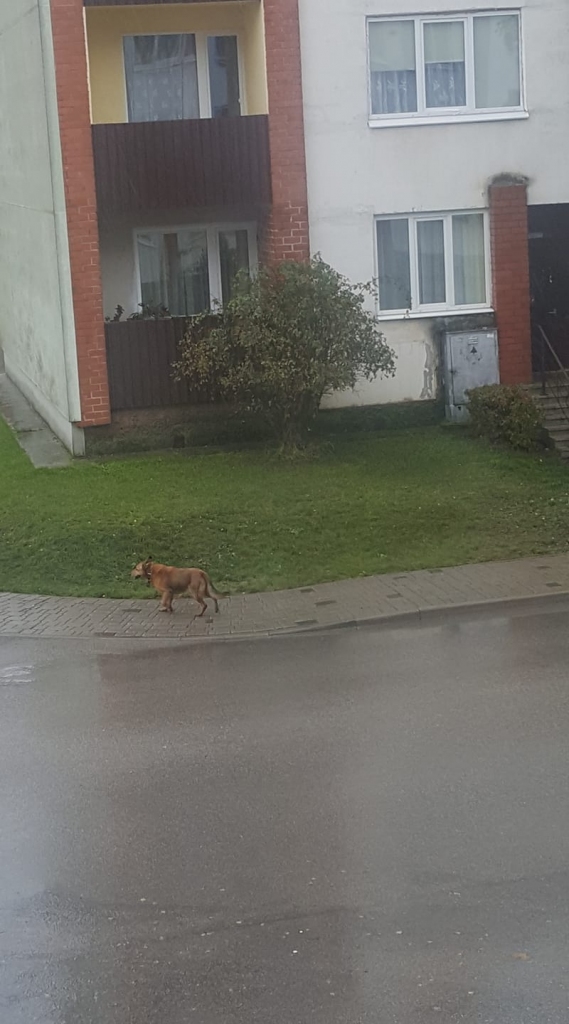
(161, 77)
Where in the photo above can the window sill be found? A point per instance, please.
(407, 122)
(437, 314)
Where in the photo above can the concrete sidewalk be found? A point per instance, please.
(43, 448)
(329, 605)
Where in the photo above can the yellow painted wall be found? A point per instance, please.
(106, 27)
(256, 61)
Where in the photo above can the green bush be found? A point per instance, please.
(507, 415)
(296, 332)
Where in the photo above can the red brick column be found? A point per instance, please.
(286, 234)
(510, 277)
(79, 179)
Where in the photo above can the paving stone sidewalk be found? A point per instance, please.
(373, 598)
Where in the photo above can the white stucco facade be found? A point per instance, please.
(357, 172)
(36, 311)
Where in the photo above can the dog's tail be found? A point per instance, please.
(212, 592)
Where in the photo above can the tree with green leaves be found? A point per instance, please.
(288, 336)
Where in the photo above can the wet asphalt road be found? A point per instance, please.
(365, 827)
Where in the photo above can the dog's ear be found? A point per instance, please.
(148, 560)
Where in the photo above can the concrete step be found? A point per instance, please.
(558, 421)
(553, 406)
(554, 409)
(555, 414)
(554, 425)
(558, 392)
(562, 447)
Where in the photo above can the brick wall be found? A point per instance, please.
(511, 282)
(79, 178)
(285, 233)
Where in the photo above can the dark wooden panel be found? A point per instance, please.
(138, 3)
(162, 165)
(140, 354)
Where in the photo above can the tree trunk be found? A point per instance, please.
(291, 435)
(291, 424)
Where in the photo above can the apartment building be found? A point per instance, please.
(150, 150)
(437, 142)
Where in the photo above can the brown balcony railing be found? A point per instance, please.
(131, 3)
(140, 354)
(161, 165)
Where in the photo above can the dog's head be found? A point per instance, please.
(142, 570)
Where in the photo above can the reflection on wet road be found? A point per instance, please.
(365, 826)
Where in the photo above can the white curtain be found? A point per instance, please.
(431, 257)
(174, 271)
(161, 77)
(394, 92)
(224, 76)
(233, 258)
(394, 265)
(445, 74)
(188, 272)
(152, 283)
(468, 258)
(393, 68)
(497, 61)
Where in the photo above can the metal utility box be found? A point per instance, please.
(470, 360)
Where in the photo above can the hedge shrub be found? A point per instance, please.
(506, 415)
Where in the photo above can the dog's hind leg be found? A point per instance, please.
(211, 592)
(198, 593)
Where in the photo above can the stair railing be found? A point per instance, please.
(546, 346)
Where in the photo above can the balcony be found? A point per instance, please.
(140, 354)
(132, 3)
(160, 165)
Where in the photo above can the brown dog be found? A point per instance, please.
(169, 581)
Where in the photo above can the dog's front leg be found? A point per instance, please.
(166, 602)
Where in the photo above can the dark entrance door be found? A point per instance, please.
(549, 282)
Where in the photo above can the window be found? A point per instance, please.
(161, 77)
(233, 259)
(431, 67)
(223, 76)
(189, 269)
(174, 77)
(432, 263)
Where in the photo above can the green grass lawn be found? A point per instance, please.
(371, 503)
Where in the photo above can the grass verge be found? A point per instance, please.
(364, 504)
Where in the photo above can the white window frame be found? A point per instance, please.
(212, 232)
(448, 308)
(202, 65)
(448, 115)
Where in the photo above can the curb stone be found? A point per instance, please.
(388, 599)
